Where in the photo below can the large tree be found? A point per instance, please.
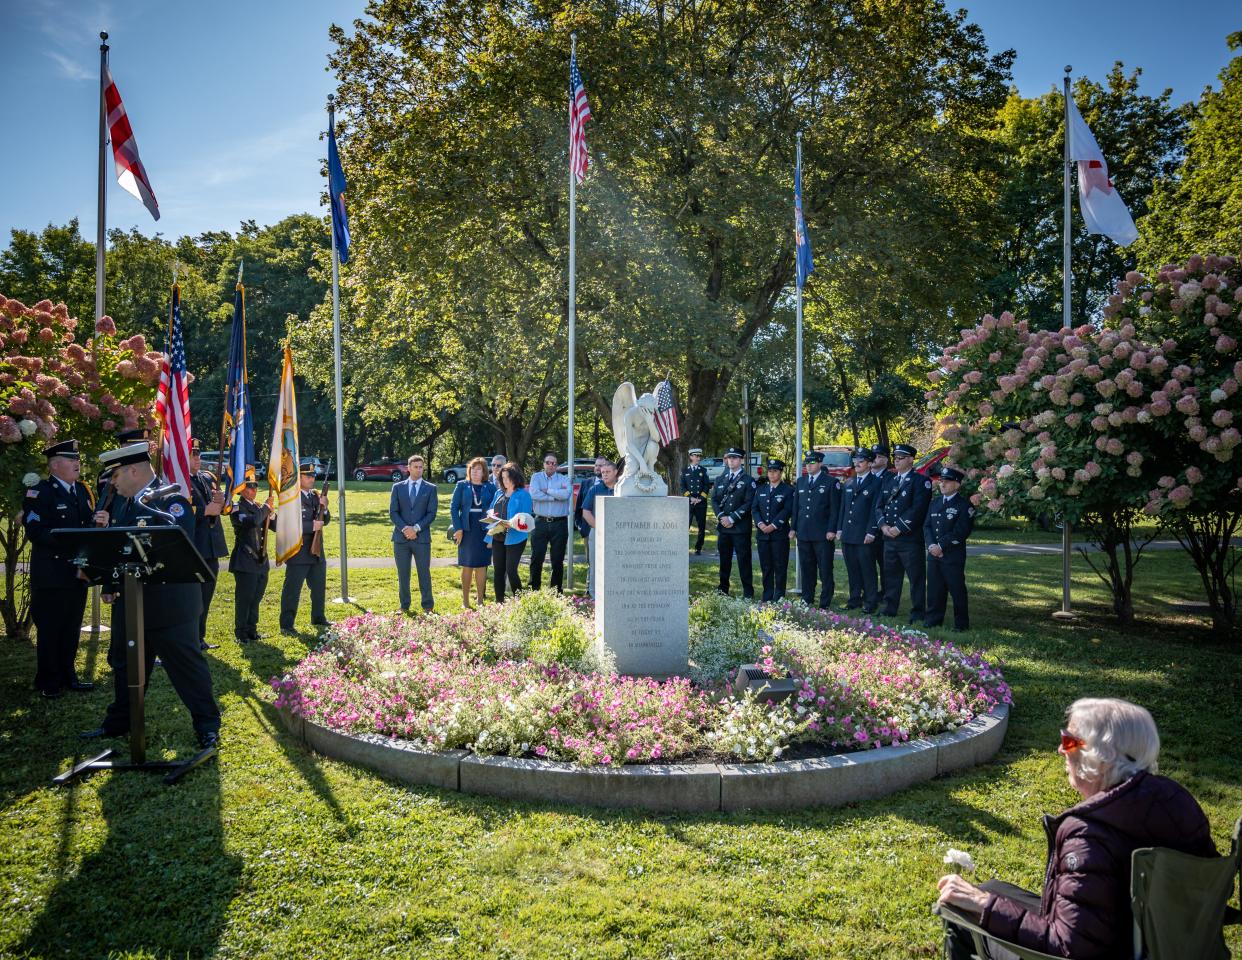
(455, 145)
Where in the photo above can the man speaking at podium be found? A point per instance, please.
(170, 611)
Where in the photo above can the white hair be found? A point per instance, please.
(1120, 740)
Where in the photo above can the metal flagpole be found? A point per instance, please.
(336, 356)
(573, 290)
(798, 377)
(101, 209)
(1067, 546)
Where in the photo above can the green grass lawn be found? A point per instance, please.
(273, 853)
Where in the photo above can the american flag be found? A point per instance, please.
(172, 404)
(579, 114)
(130, 173)
(666, 413)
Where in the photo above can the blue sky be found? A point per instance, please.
(227, 98)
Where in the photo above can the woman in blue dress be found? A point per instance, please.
(471, 499)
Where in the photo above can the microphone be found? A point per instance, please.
(157, 492)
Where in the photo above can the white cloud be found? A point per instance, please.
(70, 69)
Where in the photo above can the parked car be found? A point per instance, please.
(930, 462)
(458, 470)
(838, 460)
(385, 469)
(321, 468)
(583, 469)
(714, 466)
(210, 460)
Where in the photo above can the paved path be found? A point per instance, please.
(976, 550)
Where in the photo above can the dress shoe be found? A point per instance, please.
(98, 733)
(204, 645)
(321, 623)
(289, 633)
(81, 686)
(258, 636)
(243, 639)
(209, 739)
(50, 694)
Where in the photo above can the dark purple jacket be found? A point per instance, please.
(1085, 912)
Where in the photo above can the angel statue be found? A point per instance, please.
(638, 440)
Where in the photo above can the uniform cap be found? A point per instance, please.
(775, 464)
(905, 448)
(130, 453)
(813, 456)
(250, 480)
(863, 453)
(698, 450)
(949, 473)
(132, 435)
(735, 452)
(66, 448)
(880, 450)
(307, 469)
(196, 445)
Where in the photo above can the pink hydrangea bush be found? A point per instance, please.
(446, 683)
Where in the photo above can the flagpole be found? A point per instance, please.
(100, 231)
(336, 356)
(573, 292)
(1066, 613)
(798, 369)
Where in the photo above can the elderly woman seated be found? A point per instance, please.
(1110, 749)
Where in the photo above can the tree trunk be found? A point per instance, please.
(15, 599)
(1208, 537)
(1113, 533)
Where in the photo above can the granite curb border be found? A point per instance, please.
(670, 788)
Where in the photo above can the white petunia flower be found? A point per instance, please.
(961, 860)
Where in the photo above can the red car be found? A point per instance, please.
(838, 461)
(385, 469)
(929, 464)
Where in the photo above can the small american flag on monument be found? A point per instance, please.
(666, 413)
(172, 404)
(579, 114)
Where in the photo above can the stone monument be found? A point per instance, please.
(642, 576)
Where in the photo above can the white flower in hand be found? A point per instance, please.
(960, 861)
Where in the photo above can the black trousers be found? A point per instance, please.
(177, 648)
(57, 613)
(698, 517)
(960, 945)
(209, 591)
(728, 544)
(903, 557)
(505, 560)
(774, 562)
(877, 564)
(314, 575)
(860, 571)
(552, 533)
(249, 591)
(815, 564)
(946, 577)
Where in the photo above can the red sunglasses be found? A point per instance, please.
(1070, 743)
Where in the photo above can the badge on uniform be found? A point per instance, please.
(927, 484)
(822, 489)
(176, 509)
(951, 512)
(32, 493)
(780, 498)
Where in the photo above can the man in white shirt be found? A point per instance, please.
(549, 492)
(412, 509)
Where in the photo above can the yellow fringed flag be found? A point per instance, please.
(282, 467)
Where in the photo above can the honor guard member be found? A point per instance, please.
(304, 566)
(816, 505)
(774, 502)
(696, 486)
(733, 495)
(169, 611)
(208, 501)
(57, 592)
(950, 519)
(900, 513)
(881, 472)
(856, 533)
(248, 563)
(123, 439)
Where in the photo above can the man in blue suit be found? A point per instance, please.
(412, 508)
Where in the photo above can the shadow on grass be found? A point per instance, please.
(138, 894)
(302, 760)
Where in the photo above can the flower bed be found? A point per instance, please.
(526, 678)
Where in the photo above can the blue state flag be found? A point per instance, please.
(238, 424)
(336, 195)
(802, 242)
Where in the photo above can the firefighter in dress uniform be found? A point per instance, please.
(305, 566)
(774, 502)
(856, 533)
(57, 590)
(248, 563)
(816, 505)
(950, 520)
(169, 611)
(208, 501)
(696, 485)
(882, 476)
(733, 496)
(900, 513)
